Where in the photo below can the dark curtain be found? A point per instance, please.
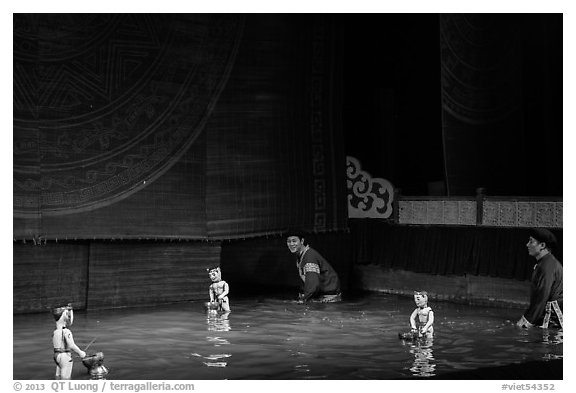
(445, 250)
(275, 151)
(482, 113)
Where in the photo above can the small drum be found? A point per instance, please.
(95, 366)
(212, 305)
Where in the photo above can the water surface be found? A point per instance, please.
(279, 339)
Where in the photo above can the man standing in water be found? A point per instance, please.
(546, 286)
(319, 278)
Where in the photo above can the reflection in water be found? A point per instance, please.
(552, 337)
(99, 373)
(424, 364)
(302, 367)
(217, 322)
(278, 339)
(524, 335)
(211, 359)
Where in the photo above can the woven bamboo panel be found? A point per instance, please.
(132, 274)
(49, 275)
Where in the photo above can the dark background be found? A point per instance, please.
(392, 112)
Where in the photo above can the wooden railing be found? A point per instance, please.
(482, 210)
(370, 197)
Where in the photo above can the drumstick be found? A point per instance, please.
(90, 343)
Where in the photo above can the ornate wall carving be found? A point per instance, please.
(368, 197)
(105, 103)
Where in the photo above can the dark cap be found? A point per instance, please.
(543, 235)
(295, 232)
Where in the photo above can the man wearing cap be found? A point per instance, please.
(546, 286)
(320, 280)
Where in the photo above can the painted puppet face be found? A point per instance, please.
(294, 244)
(64, 314)
(215, 274)
(68, 317)
(421, 299)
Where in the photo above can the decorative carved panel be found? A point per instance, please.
(368, 197)
(522, 214)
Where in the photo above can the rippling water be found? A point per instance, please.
(279, 339)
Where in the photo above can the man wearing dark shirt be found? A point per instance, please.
(319, 278)
(546, 285)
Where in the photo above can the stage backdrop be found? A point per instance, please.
(134, 126)
(502, 103)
